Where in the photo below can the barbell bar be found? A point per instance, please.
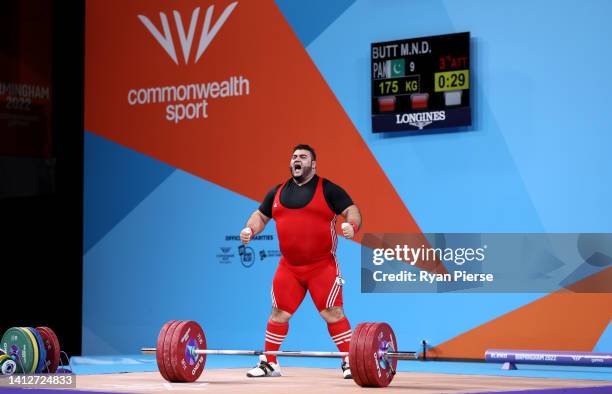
(287, 353)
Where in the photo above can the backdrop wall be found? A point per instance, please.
(165, 197)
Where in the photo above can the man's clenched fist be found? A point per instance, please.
(246, 235)
(348, 230)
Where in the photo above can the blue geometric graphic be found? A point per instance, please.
(309, 18)
(116, 179)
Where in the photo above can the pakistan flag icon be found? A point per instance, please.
(396, 68)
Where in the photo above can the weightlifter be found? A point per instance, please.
(305, 208)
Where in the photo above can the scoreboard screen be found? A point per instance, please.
(421, 83)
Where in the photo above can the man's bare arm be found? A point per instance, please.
(255, 225)
(257, 222)
(352, 215)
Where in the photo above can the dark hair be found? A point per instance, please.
(306, 147)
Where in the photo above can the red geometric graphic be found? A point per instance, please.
(245, 142)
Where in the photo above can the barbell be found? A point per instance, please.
(181, 353)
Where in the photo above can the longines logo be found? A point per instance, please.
(186, 39)
(420, 119)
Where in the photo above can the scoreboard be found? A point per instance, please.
(421, 83)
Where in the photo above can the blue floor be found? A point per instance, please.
(146, 363)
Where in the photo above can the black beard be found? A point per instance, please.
(306, 171)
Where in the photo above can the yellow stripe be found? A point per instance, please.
(34, 346)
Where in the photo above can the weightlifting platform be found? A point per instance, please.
(306, 380)
(227, 375)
